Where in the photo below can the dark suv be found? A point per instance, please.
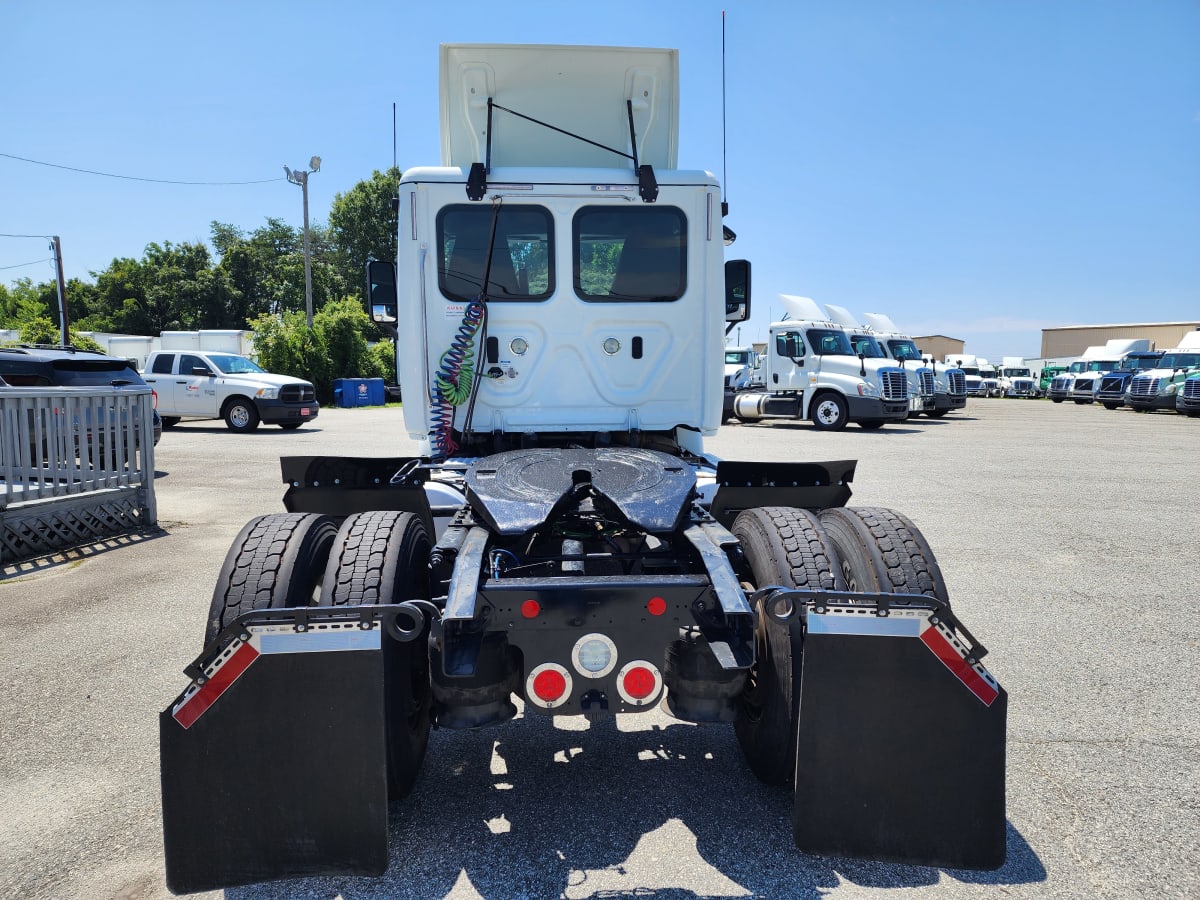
(43, 366)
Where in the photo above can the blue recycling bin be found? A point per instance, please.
(349, 392)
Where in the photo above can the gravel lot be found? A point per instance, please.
(1067, 535)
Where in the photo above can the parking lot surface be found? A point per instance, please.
(1067, 536)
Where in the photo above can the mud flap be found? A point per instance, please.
(901, 742)
(273, 760)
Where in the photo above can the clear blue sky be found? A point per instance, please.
(975, 168)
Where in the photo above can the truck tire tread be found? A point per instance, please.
(275, 562)
(882, 551)
(786, 547)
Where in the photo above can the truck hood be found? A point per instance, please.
(265, 379)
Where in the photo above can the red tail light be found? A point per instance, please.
(639, 682)
(548, 686)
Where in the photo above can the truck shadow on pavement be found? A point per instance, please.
(530, 810)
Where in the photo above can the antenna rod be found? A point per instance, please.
(394, 163)
(724, 188)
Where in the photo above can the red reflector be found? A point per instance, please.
(657, 606)
(530, 609)
(639, 683)
(549, 685)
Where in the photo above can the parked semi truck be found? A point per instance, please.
(1014, 379)
(949, 382)
(1112, 386)
(1083, 388)
(881, 339)
(561, 544)
(1158, 388)
(740, 363)
(812, 371)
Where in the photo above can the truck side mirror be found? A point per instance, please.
(381, 292)
(737, 290)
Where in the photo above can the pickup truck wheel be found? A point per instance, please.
(382, 557)
(786, 547)
(828, 412)
(290, 426)
(880, 551)
(240, 415)
(275, 562)
(169, 421)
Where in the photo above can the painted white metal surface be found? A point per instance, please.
(582, 90)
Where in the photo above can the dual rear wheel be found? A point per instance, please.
(869, 549)
(287, 560)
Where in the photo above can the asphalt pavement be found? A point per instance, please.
(1067, 535)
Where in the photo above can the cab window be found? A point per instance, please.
(789, 344)
(826, 342)
(163, 363)
(629, 254)
(522, 252)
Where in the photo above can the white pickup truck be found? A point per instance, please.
(197, 384)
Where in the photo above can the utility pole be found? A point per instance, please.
(300, 177)
(64, 321)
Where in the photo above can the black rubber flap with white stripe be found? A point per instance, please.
(899, 759)
(283, 775)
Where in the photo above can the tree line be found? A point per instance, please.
(248, 280)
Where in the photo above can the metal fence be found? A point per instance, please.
(76, 465)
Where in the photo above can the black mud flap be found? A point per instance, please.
(273, 760)
(901, 743)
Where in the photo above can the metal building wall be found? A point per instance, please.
(938, 345)
(1074, 339)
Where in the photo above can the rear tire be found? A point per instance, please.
(936, 413)
(382, 557)
(274, 563)
(882, 552)
(785, 547)
(290, 426)
(169, 421)
(876, 424)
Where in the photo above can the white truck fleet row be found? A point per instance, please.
(826, 366)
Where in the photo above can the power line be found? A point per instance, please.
(38, 162)
(44, 237)
(33, 263)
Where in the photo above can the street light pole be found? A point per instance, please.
(301, 178)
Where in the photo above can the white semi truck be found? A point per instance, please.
(1088, 379)
(948, 391)
(561, 539)
(1014, 378)
(812, 371)
(1159, 387)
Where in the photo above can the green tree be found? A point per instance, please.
(362, 225)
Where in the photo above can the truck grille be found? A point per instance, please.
(1143, 386)
(926, 382)
(958, 382)
(1191, 389)
(1113, 384)
(1061, 383)
(1084, 384)
(297, 393)
(895, 384)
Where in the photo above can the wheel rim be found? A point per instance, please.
(239, 416)
(827, 412)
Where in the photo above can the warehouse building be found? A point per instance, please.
(1072, 340)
